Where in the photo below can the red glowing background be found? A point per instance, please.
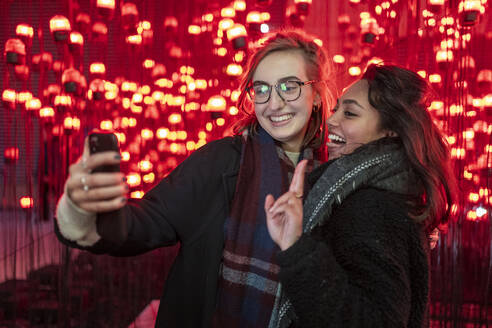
(164, 77)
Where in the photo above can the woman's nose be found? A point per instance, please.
(332, 120)
(276, 102)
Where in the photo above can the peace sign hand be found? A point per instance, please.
(284, 215)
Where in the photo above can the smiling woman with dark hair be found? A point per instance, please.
(355, 255)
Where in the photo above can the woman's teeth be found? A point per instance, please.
(281, 118)
(335, 138)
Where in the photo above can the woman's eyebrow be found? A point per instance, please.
(287, 78)
(352, 101)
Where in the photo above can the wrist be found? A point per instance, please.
(287, 244)
(74, 223)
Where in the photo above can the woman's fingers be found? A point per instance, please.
(269, 201)
(96, 192)
(284, 215)
(80, 177)
(81, 164)
(88, 162)
(288, 197)
(285, 208)
(94, 180)
(296, 189)
(284, 218)
(99, 159)
(97, 186)
(297, 184)
(104, 206)
(99, 193)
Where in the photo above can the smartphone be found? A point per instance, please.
(104, 141)
(111, 226)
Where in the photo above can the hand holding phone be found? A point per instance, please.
(110, 225)
(95, 183)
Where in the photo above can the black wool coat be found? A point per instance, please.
(189, 206)
(367, 266)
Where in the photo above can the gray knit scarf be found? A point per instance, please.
(381, 164)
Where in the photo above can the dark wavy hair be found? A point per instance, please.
(317, 68)
(401, 97)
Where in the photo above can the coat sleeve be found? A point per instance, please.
(173, 210)
(356, 272)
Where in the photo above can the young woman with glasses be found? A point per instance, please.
(355, 253)
(226, 273)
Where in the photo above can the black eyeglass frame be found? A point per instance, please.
(270, 87)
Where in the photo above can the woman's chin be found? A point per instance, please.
(334, 151)
(330, 157)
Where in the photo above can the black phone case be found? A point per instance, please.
(100, 142)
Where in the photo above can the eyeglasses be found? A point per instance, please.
(261, 92)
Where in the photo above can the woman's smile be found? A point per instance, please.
(281, 119)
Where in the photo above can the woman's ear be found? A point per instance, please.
(317, 99)
(391, 133)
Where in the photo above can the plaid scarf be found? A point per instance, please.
(248, 282)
